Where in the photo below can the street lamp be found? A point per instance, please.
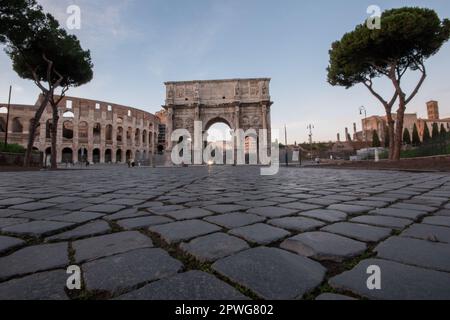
(362, 110)
(310, 128)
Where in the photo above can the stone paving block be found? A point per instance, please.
(225, 208)
(34, 259)
(350, 209)
(14, 201)
(399, 213)
(43, 214)
(399, 282)
(272, 212)
(325, 215)
(183, 230)
(416, 252)
(63, 199)
(36, 228)
(122, 272)
(298, 224)
(368, 203)
(165, 209)
(77, 217)
(358, 231)
(107, 245)
(300, 206)
(281, 199)
(444, 212)
(40, 286)
(321, 201)
(214, 246)
(9, 213)
(260, 233)
(126, 214)
(324, 246)
(235, 219)
(142, 222)
(272, 273)
(255, 203)
(93, 228)
(32, 206)
(72, 206)
(6, 222)
(126, 202)
(438, 221)
(190, 213)
(412, 206)
(9, 243)
(333, 297)
(383, 221)
(104, 208)
(192, 285)
(428, 232)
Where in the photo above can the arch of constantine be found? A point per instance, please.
(239, 103)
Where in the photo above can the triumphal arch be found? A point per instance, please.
(239, 103)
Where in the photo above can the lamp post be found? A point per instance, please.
(362, 110)
(7, 117)
(310, 128)
(286, 146)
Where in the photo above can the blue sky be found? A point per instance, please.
(137, 45)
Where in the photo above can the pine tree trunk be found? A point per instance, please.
(390, 123)
(399, 130)
(32, 131)
(55, 119)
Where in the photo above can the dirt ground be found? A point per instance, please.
(435, 164)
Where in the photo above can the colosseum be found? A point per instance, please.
(88, 130)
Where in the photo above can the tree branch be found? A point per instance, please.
(419, 85)
(369, 85)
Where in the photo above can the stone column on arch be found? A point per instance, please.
(237, 119)
(169, 128)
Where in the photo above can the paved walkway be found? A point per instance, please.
(224, 233)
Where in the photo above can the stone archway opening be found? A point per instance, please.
(67, 155)
(219, 140)
(82, 155)
(96, 155)
(108, 156)
(118, 156)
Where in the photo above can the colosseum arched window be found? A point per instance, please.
(17, 126)
(137, 136)
(2, 125)
(119, 137)
(144, 137)
(119, 155)
(83, 132)
(97, 131)
(96, 155)
(109, 133)
(108, 156)
(129, 133)
(68, 130)
(48, 129)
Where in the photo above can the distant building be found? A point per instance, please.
(379, 124)
(87, 130)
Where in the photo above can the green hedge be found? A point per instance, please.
(12, 148)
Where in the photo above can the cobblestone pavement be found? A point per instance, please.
(224, 233)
